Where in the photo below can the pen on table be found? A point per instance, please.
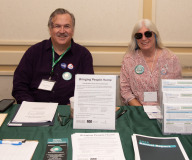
(121, 114)
(11, 142)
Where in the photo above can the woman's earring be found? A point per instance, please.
(155, 39)
(137, 47)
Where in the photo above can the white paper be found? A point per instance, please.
(46, 85)
(150, 96)
(32, 112)
(177, 118)
(95, 102)
(148, 108)
(20, 152)
(153, 112)
(179, 97)
(154, 115)
(176, 85)
(100, 146)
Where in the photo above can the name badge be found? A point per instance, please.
(46, 85)
(150, 96)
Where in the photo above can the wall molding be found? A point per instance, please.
(10, 57)
(108, 63)
(96, 44)
(100, 58)
(178, 44)
(84, 43)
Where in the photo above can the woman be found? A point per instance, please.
(145, 64)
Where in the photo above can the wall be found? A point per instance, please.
(104, 27)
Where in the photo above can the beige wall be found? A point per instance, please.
(107, 53)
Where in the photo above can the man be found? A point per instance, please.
(46, 72)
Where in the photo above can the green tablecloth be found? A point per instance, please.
(134, 120)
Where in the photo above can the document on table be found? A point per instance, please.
(177, 118)
(24, 151)
(95, 102)
(35, 112)
(158, 148)
(153, 112)
(97, 146)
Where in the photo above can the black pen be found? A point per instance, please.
(121, 114)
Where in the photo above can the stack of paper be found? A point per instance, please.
(105, 146)
(173, 86)
(22, 152)
(158, 148)
(176, 100)
(34, 113)
(153, 112)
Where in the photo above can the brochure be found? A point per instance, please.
(56, 149)
(158, 148)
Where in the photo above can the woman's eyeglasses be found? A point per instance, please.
(147, 34)
(63, 119)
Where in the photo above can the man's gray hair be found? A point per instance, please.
(60, 11)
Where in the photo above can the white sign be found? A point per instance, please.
(95, 100)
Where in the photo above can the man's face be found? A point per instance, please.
(62, 30)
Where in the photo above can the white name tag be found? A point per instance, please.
(150, 96)
(46, 85)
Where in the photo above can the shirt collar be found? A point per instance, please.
(49, 45)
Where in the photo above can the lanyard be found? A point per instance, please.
(53, 60)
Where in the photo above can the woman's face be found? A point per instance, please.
(146, 43)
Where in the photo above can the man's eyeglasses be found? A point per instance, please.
(63, 119)
(147, 34)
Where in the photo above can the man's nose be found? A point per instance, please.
(62, 29)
